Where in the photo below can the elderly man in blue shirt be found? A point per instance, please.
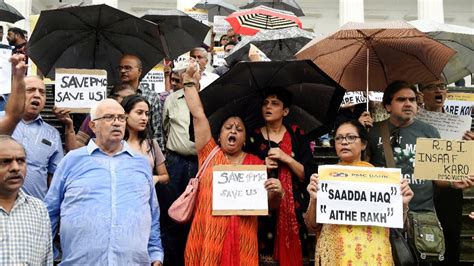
(103, 197)
(41, 140)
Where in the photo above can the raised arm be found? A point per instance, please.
(202, 130)
(16, 101)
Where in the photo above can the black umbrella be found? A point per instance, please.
(289, 5)
(9, 13)
(216, 8)
(93, 37)
(180, 31)
(316, 97)
(280, 44)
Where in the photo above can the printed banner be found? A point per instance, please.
(359, 196)
(221, 25)
(154, 79)
(218, 57)
(198, 14)
(448, 125)
(239, 190)
(79, 89)
(439, 159)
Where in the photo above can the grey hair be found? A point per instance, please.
(93, 111)
(204, 51)
(9, 138)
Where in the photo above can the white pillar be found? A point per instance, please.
(112, 3)
(431, 10)
(351, 10)
(24, 7)
(182, 4)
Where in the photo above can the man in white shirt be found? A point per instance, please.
(201, 56)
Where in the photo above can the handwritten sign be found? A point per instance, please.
(79, 89)
(221, 25)
(218, 57)
(239, 190)
(360, 196)
(154, 80)
(449, 126)
(5, 71)
(439, 159)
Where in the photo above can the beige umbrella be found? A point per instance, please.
(363, 56)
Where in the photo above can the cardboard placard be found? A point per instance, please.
(154, 79)
(440, 159)
(359, 196)
(448, 125)
(239, 190)
(5, 71)
(79, 89)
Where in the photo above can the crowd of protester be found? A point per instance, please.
(105, 197)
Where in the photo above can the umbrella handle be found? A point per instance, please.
(367, 81)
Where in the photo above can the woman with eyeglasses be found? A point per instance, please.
(351, 244)
(138, 136)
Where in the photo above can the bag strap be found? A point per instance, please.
(206, 162)
(387, 148)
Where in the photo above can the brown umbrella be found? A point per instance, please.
(388, 51)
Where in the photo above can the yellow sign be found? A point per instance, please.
(360, 174)
(439, 159)
(460, 96)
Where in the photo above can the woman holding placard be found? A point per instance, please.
(351, 244)
(138, 136)
(220, 240)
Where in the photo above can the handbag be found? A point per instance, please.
(182, 208)
(425, 236)
(401, 251)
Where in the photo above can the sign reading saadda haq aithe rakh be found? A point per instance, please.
(359, 196)
(440, 159)
(239, 190)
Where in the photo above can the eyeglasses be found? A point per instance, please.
(433, 87)
(349, 138)
(111, 118)
(126, 68)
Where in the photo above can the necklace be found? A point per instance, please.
(239, 159)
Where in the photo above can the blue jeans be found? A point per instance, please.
(173, 235)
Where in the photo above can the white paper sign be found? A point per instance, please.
(218, 57)
(198, 14)
(375, 96)
(458, 107)
(353, 98)
(5, 71)
(449, 126)
(154, 79)
(221, 25)
(239, 190)
(79, 89)
(360, 196)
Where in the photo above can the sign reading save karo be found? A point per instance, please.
(79, 89)
(359, 196)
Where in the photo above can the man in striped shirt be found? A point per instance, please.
(25, 229)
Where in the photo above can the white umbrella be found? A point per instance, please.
(460, 39)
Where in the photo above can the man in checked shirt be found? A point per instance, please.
(130, 70)
(25, 229)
